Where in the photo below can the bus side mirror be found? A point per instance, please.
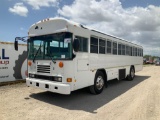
(76, 45)
(16, 45)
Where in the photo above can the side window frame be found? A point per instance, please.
(123, 49)
(102, 46)
(94, 45)
(82, 39)
(110, 52)
(114, 48)
(119, 48)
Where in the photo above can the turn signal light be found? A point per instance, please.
(69, 79)
(29, 63)
(60, 64)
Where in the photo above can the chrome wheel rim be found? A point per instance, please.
(99, 82)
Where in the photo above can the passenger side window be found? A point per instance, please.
(83, 44)
(131, 52)
(102, 44)
(94, 45)
(135, 51)
(123, 50)
(114, 48)
(138, 52)
(109, 47)
(119, 49)
(127, 50)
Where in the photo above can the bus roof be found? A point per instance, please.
(81, 26)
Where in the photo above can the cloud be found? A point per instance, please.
(19, 9)
(36, 4)
(137, 24)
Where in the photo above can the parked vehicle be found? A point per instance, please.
(64, 56)
(157, 62)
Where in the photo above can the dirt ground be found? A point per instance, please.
(122, 100)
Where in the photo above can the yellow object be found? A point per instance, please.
(61, 64)
(29, 63)
(69, 79)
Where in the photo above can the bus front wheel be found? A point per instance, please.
(98, 86)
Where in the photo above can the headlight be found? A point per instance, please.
(59, 79)
(31, 75)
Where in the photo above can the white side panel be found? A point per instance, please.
(13, 64)
(112, 74)
(83, 65)
(84, 79)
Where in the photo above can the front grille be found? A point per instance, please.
(43, 68)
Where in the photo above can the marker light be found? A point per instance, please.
(29, 63)
(60, 64)
(69, 79)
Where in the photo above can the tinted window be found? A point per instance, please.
(94, 45)
(109, 46)
(135, 51)
(139, 52)
(101, 42)
(102, 46)
(114, 48)
(119, 49)
(123, 50)
(127, 50)
(83, 44)
(131, 52)
(94, 41)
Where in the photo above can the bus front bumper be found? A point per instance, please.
(49, 86)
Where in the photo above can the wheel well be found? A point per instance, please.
(104, 73)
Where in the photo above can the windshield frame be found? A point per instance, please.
(44, 57)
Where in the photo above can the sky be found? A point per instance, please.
(137, 21)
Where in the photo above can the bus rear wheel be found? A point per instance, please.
(98, 86)
(131, 75)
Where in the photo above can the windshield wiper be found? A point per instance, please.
(37, 51)
(51, 57)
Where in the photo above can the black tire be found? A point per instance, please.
(99, 83)
(131, 75)
(18, 65)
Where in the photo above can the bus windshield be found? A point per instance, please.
(54, 46)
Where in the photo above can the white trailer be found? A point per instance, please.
(64, 56)
(13, 65)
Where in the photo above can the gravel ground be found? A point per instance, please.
(122, 100)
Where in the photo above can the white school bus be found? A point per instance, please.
(64, 56)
